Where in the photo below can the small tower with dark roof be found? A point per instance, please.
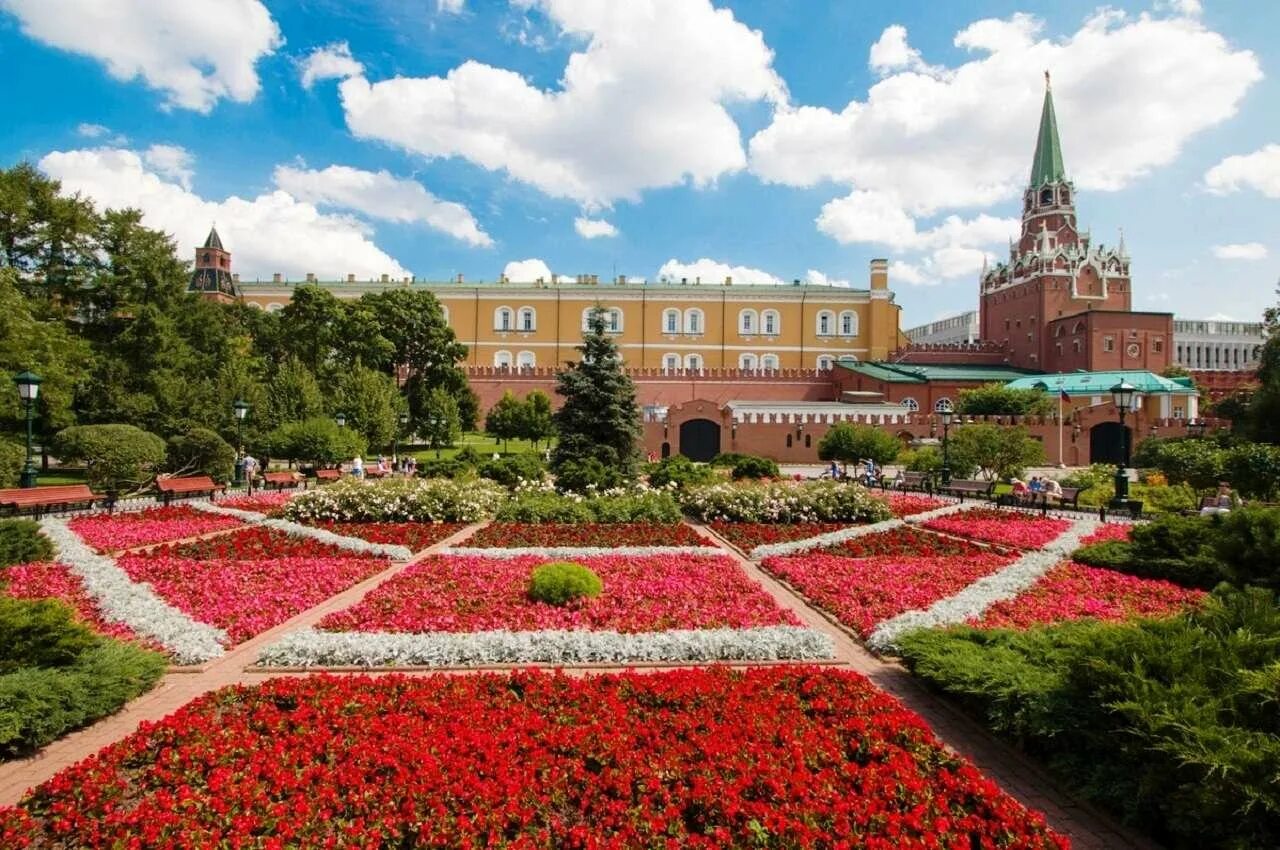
(212, 276)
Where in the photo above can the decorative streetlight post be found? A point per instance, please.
(241, 410)
(436, 421)
(946, 413)
(1123, 395)
(395, 439)
(29, 391)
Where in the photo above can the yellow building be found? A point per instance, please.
(668, 326)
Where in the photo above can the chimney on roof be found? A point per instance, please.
(621, 279)
(460, 277)
(684, 281)
(276, 277)
(386, 278)
(595, 279)
(540, 281)
(311, 277)
(728, 281)
(235, 277)
(879, 274)
(351, 278)
(698, 279)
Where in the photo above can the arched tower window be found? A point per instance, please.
(769, 363)
(910, 404)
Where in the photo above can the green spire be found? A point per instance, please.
(1047, 166)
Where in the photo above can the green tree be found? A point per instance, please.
(1262, 415)
(440, 426)
(996, 451)
(311, 322)
(997, 399)
(318, 441)
(538, 422)
(849, 443)
(140, 266)
(119, 459)
(371, 402)
(505, 419)
(201, 452)
(293, 394)
(600, 420)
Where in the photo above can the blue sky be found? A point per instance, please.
(773, 139)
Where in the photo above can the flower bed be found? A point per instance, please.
(398, 500)
(56, 581)
(255, 543)
(707, 758)
(1012, 528)
(810, 501)
(861, 592)
(748, 535)
(1075, 592)
(641, 594)
(414, 535)
(112, 532)
(1108, 532)
(910, 504)
(905, 541)
(521, 534)
(268, 503)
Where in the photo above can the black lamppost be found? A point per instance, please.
(28, 390)
(1195, 428)
(241, 410)
(436, 421)
(341, 419)
(946, 412)
(395, 439)
(1123, 395)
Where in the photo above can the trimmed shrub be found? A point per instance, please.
(118, 458)
(202, 452)
(513, 470)
(635, 507)
(583, 475)
(12, 458)
(644, 506)
(22, 543)
(1254, 470)
(727, 460)
(755, 468)
(545, 507)
(679, 471)
(40, 633)
(444, 467)
(318, 441)
(924, 459)
(1247, 541)
(810, 501)
(562, 582)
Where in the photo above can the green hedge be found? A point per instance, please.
(1170, 723)
(679, 471)
(655, 507)
(22, 543)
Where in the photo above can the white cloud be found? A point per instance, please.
(1259, 170)
(592, 228)
(909, 273)
(1241, 251)
(92, 131)
(196, 53)
(451, 7)
(172, 161)
(383, 196)
(817, 278)
(273, 232)
(333, 61)
(712, 271)
(647, 74)
(527, 271)
(892, 53)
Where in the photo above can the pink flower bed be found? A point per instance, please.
(56, 581)
(1074, 591)
(910, 504)
(112, 532)
(270, 503)
(748, 535)
(1026, 531)
(254, 543)
(415, 535)
(863, 592)
(471, 594)
(246, 597)
(1108, 532)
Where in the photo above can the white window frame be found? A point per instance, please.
(770, 323)
(748, 322)
(500, 356)
(694, 321)
(532, 316)
(504, 319)
(671, 321)
(942, 405)
(670, 363)
(614, 322)
(693, 362)
(849, 323)
(824, 322)
(529, 356)
(748, 362)
(826, 362)
(769, 363)
(910, 404)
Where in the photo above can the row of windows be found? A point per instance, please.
(690, 321)
(523, 360)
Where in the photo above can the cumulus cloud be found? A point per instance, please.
(610, 128)
(1241, 251)
(712, 271)
(273, 232)
(172, 161)
(383, 196)
(817, 278)
(333, 61)
(1259, 171)
(527, 271)
(195, 53)
(92, 131)
(593, 228)
(451, 7)
(892, 53)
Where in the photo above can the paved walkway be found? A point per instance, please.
(1014, 772)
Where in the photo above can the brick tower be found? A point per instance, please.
(1063, 302)
(212, 276)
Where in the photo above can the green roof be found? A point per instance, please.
(1100, 383)
(1047, 165)
(917, 373)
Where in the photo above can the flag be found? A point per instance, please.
(1062, 395)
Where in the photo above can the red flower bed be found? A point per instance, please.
(521, 534)
(863, 592)
(1074, 591)
(905, 541)
(748, 535)
(415, 535)
(110, 532)
(270, 503)
(910, 504)
(56, 581)
(1026, 531)
(646, 594)
(1107, 532)
(255, 543)
(692, 758)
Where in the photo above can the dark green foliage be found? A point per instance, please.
(1179, 549)
(201, 452)
(599, 423)
(755, 468)
(538, 422)
(1254, 470)
(1199, 462)
(624, 507)
(679, 471)
(563, 582)
(928, 459)
(849, 443)
(1170, 723)
(1247, 542)
(544, 507)
(447, 467)
(999, 400)
(22, 543)
(12, 458)
(995, 451)
(371, 402)
(505, 419)
(318, 441)
(40, 633)
(439, 423)
(727, 460)
(118, 458)
(637, 507)
(514, 469)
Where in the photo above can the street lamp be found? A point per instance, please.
(1123, 395)
(395, 438)
(29, 391)
(341, 419)
(241, 409)
(946, 411)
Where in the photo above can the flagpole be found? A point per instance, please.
(1060, 464)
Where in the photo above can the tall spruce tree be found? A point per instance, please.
(599, 424)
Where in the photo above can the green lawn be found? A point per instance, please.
(479, 442)
(61, 475)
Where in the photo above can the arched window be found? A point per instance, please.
(1078, 328)
(747, 320)
(670, 362)
(747, 362)
(502, 319)
(526, 360)
(942, 405)
(528, 319)
(1046, 196)
(769, 362)
(615, 320)
(770, 322)
(671, 321)
(848, 323)
(502, 359)
(825, 362)
(693, 362)
(910, 404)
(826, 321)
(788, 441)
(693, 321)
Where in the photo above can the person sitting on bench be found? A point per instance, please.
(1020, 488)
(1052, 490)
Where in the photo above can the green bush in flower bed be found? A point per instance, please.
(621, 506)
(755, 468)
(783, 502)
(399, 500)
(562, 582)
(22, 543)
(1170, 723)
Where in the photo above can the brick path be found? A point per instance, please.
(1088, 828)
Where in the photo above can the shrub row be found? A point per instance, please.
(398, 500)
(813, 501)
(608, 507)
(22, 543)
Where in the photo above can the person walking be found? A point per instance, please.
(250, 471)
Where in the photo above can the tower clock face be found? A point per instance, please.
(1133, 350)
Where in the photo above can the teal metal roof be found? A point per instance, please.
(1100, 383)
(915, 373)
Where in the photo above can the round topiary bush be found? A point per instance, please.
(563, 582)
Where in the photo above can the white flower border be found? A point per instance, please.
(135, 604)
(974, 600)
(354, 544)
(311, 648)
(708, 550)
(769, 550)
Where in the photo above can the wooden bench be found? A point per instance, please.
(908, 481)
(280, 480)
(36, 499)
(195, 485)
(1070, 498)
(962, 488)
(328, 474)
